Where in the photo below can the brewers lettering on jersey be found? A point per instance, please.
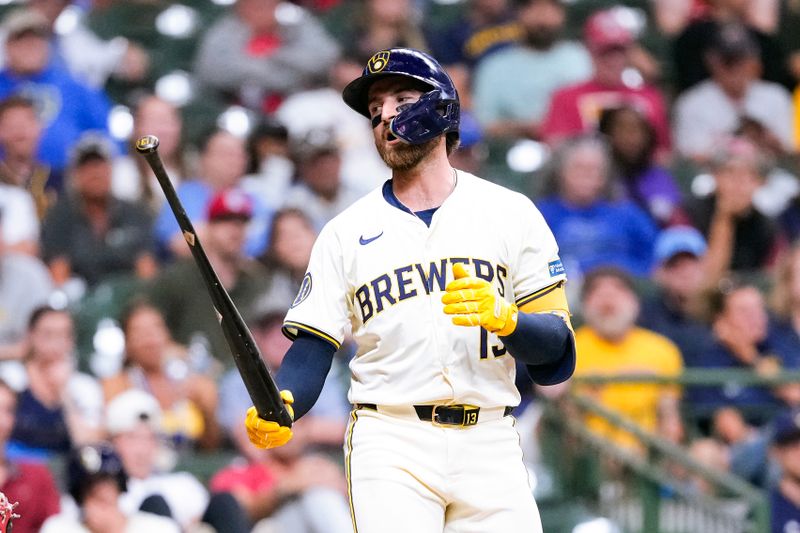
(445, 281)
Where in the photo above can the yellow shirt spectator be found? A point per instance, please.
(640, 351)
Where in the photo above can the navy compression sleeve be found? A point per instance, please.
(304, 369)
(540, 339)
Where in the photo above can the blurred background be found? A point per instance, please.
(659, 139)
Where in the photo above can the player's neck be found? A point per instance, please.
(425, 186)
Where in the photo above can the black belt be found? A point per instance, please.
(446, 415)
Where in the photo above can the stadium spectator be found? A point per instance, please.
(287, 257)
(28, 483)
(156, 365)
(187, 309)
(270, 170)
(25, 284)
(20, 132)
(743, 340)
(512, 87)
(132, 180)
(66, 107)
(690, 47)
(96, 480)
(319, 190)
(785, 497)
(485, 26)
(133, 422)
(675, 309)
(718, 107)
(262, 51)
(88, 233)
(634, 170)
(223, 162)
(591, 228)
(379, 25)
(323, 109)
(576, 108)
(610, 343)
(61, 407)
(88, 57)
(740, 238)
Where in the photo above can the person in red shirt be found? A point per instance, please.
(616, 82)
(29, 484)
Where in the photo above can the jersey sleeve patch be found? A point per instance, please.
(556, 268)
(291, 329)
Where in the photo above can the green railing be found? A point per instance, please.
(639, 490)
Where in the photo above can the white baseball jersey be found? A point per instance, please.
(380, 271)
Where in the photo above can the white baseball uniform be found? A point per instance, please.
(379, 271)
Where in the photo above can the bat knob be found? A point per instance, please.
(147, 144)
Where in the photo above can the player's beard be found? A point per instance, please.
(403, 156)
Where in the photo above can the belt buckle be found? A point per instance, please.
(469, 415)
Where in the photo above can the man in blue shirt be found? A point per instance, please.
(65, 107)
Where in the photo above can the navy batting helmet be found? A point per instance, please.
(436, 112)
(87, 465)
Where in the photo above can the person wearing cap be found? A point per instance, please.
(319, 189)
(674, 309)
(134, 422)
(88, 233)
(690, 46)
(222, 165)
(96, 479)
(512, 87)
(189, 312)
(718, 106)
(576, 108)
(610, 343)
(784, 498)
(67, 107)
(740, 238)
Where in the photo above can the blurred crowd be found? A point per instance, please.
(659, 140)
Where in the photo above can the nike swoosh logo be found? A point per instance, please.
(362, 241)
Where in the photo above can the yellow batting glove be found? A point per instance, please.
(474, 302)
(265, 433)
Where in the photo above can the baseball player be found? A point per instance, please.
(446, 281)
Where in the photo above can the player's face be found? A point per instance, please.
(384, 98)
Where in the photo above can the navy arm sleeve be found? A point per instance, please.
(304, 369)
(545, 344)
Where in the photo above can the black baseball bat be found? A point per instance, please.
(259, 382)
